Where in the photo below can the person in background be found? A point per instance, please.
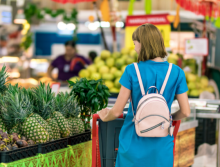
(92, 55)
(68, 64)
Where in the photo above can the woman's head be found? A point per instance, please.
(148, 42)
(70, 47)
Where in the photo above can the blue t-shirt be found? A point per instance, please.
(135, 151)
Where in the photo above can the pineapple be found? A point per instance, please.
(15, 129)
(17, 110)
(68, 106)
(62, 123)
(3, 77)
(2, 126)
(55, 128)
(43, 100)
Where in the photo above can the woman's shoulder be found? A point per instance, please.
(177, 69)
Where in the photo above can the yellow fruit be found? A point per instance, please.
(114, 90)
(100, 64)
(130, 60)
(125, 51)
(110, 62)
(116, 55)
(92, 68)
(204, 81)
(194, 93)
(119, 63)
(118, 74)
(104, 69)
(97, 59)
(95, 76)
(108, 76)
(74, 79)
(105, 54)
(191, 85)
(84, 73)
(210, 89)
(123, 68)
(109, 84)
(117, 84)
(133, 53)
(191, 77)
(113, 70)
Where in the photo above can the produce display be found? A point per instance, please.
(109, 67)
(196, 84)
(13, 141)
(35, 114)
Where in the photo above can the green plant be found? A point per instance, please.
(3, 77)
(92, 96)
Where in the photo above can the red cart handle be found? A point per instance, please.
(94, 137)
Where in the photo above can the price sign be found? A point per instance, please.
(55, 87)
(197, 47)
(159, 20)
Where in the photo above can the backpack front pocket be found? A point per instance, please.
(154, 127)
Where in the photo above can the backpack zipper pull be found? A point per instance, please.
(162, 126)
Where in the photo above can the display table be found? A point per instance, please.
(79, 155)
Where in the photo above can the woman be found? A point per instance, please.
(68, 64)
(135, 151)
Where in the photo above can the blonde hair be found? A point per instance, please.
(151, 40)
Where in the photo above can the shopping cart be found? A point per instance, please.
(105, 140)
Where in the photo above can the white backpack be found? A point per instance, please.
(152, 118)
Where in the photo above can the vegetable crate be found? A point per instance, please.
(105, 140)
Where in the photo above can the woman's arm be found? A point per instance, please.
(184, 107)
(116, 111)
(49, 71)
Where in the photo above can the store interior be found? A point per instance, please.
(51, 50)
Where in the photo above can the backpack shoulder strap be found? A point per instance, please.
(139, 79)
(166, 79)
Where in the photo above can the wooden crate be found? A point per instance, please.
(184, 150)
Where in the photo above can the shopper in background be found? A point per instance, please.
(135, 151)
(68, 64)
(92, 56)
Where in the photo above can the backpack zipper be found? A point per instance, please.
(149, 99)
(154, 127)
(152, 115)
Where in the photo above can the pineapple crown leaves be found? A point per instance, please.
(67, 105)
(3, 77)
(43, 100)
(90, 93)
(16, 106)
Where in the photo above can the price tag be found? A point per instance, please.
(55, 88)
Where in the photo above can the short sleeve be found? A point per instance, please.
(181, 83)
(126, 79)
(55, 62)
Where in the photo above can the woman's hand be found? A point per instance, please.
(103, 113)
(111, 114)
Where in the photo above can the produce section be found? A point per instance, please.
(37, 120)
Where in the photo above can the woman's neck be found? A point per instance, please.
(157, 59)
(67, 58)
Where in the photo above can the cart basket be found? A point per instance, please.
(105, 140)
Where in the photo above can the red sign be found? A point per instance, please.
(155, 19)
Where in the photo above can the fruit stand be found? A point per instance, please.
(39, 128)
